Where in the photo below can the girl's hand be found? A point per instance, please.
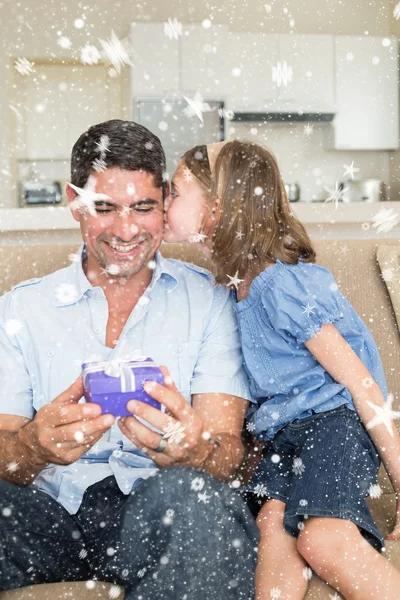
(395, 533)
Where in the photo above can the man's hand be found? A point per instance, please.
(63, 430)
(182, 427)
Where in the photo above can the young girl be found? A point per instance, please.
(315, 372)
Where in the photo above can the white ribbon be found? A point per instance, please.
(120, 368)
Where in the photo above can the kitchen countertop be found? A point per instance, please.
(60, 219)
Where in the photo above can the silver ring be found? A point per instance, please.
(162, 445)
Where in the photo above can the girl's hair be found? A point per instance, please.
(256, 224)
(196, 160)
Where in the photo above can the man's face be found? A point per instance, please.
(127, 229)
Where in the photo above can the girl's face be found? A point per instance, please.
(185, 207)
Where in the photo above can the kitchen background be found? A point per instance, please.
(316, 82)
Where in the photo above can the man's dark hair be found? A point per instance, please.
(116, 143)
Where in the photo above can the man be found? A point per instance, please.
(81, 496)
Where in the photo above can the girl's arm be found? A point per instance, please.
(338, 358)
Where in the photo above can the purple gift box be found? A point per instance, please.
(111, 384)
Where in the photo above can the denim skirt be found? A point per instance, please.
(321, 466)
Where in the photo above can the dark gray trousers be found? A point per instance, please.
(181, 534)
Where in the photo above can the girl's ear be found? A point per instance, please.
(214, 214)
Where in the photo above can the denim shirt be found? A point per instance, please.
(286, 306)
(50, 326)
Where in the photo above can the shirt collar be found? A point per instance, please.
(80, 285)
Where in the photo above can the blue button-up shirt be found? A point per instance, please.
(286, 306)
(50, 326)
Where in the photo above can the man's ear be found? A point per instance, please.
(73, 205)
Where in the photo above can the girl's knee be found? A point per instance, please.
(325, 541)
(270, 518)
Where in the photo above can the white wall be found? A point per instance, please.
(303, 159)
(28, 28)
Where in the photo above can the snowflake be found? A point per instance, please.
(260, 490)
(174, 432)
(275, 593)
(344, 250)
(173, 29)
(90, 55)
(114, 592)
(235, 280)
(303, 502)
(12, 466)
(385, 220)
(335, 596)
(83, 554)
(387, 275)
(203, 497)
(298, 466)
(170, 513)
(308, 309)
(396, 12)
(142, 572)
(227, 114)
(282, 74)
(365, 226)
(275, 415)
(103, 144)
(99, 165)
(307, 573)
(375, 490)
(64, 42)
(367, 382)
(197, 484)
(130, 190)
(13, 326)
(350, 170)
(90, 584)
(187, 174)
(87, 196)
(250, 427)
(308, 129)
(24, 66)
(66, 292)
(74, 257)
(239, 235)
(112, 72)
(337, 195)
(384, 415)
(196, 106)
(114, 53)
(195, 238)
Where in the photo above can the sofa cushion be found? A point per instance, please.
(389, 263)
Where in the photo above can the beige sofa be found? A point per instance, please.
(354, 265)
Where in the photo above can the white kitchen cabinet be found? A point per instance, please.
(248, 60)
(57, 103)
(367, 94)
(155, 58)
(203, 55)
(309, 62)
(43, 104)
(92, 97)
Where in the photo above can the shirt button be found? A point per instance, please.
(97, 330)
(178, 349)
(50, 353)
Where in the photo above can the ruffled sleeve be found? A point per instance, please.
(301, 299)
